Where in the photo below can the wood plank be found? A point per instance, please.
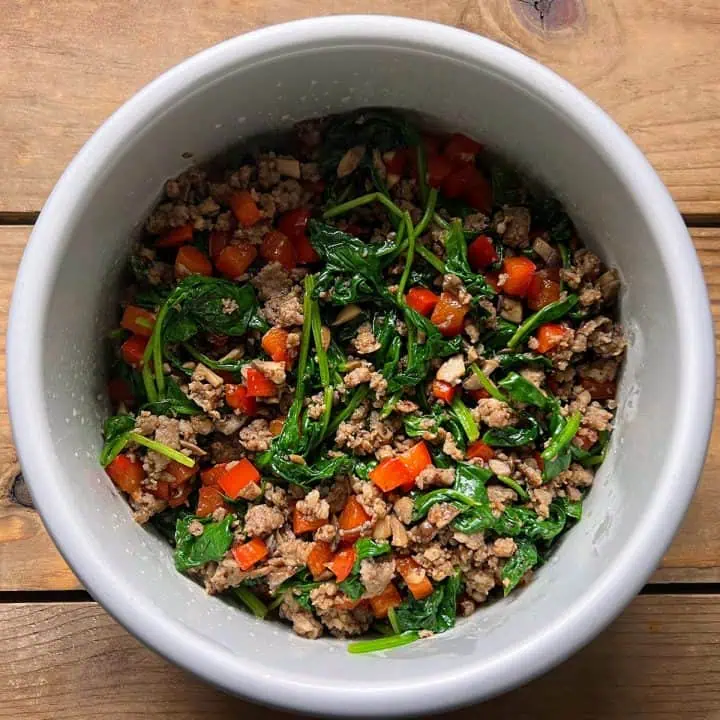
(71, 661)
(29, 561)
(65, 67)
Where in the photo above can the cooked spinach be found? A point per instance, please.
(521, 390)
(456, 262)
(513, 436)
(465, 419)
(436, 613)
(525, 558)
(510, 361)
(550, 313)
(195, 550)
(175, 403)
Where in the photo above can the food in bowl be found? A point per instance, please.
(363, 377)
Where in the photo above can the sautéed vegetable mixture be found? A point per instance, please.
(363, 378)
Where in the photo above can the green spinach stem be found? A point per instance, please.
(488, 384)
(384, 643)
(161, 448)
(360, 201)
(563, 438)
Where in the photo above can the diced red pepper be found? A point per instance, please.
(449, 315)
(302, 525)
(460, 181)
(237, 397)
(212, 475)
(132, 350)
(209, 500)
(258, 385)
(416, 459)
(390, 474)
(479, 195)
(438, 168)
(353, 515)
(600, 390)
(318, 558)
(544, 288)
(191, 261)
(443, 391)
(479, 449)
(388, 598)
(276, 247)
(181, 473)
(234, 260)
(395, 161)
(461, 149)
(219, 239)
(120, 391)
(342, 564)
(519, 271)
(162, 490)
(422, 300)
(274, 343)
(178, 494)
(479, 394)
(238, 475)
(432, 142)
(250, 553)
(138, 321)
(414, 577)
(126, 473)
(293, 223)
(481, 253)
(244, 208)
(176, 237)
(549, 336)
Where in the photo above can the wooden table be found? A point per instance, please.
(66, 65)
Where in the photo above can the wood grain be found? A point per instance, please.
(29, 561)
(71, 661)
(653, 66)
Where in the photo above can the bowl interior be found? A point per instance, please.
(269, 81)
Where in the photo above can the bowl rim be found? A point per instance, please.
(473, 681)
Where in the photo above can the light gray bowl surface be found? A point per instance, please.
(65, 299)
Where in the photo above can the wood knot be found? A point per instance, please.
(550, 15)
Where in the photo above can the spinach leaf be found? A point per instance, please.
(508, 361)
(516, 521)
(436, 613)
(512, 436)
(521, 390)
(456, 262)
(352, 586)
(525, 558)
(175, 403)
(369, 548)
(352, 272)
(467, 494)
(150, 298)
(192, 551)
(465, 419)
(212, 305)
(116, 431)
(500, 337)
(382, 130)
(470, 480)
(548, 214)
(251, 601)
(435, 346)
(550, 313)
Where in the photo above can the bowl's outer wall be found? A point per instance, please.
(249, 85)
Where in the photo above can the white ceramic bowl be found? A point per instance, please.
(64, 301)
